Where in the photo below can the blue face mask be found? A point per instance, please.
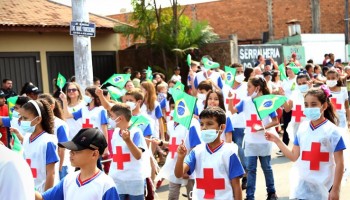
(15, 114)
(208, 136)
(27, 127)
(87, 99)
(312, 113)
(303, 88)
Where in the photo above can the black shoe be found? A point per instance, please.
(272, 196)
(244, 183)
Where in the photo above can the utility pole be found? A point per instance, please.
(346, 21)
(82, 47)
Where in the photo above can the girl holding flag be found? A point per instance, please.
(93, 115)
(75, 103)
(317, 150)
(255, 145)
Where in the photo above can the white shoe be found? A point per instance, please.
(280, 153)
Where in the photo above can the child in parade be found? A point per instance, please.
(216, 167)
(255, 145)
(88, 183)
(317, 150)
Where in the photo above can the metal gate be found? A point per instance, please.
(104, 64)
(21, 68)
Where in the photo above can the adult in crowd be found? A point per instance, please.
(7, 88)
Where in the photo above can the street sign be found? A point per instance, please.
(83, 29)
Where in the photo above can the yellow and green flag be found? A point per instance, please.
(16, 145)
(184, 107)
(149, 74)
(178, 86)
(11, 102)
(137, 121)
(115, 92)
(282, 70)
(294, 68)
(118, 80)
(208, 64)
(61, 81)
(266, 104)
(230, 75)
(188, 60)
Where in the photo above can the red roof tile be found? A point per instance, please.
(43, 13)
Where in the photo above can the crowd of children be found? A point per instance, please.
(85, 145)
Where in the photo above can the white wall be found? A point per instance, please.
(316, 45)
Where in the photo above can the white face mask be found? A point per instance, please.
(112, 123)
(201, 96)
(87, 99)
(331, 83)
(15, 114)
(131, 105)
(240, 78)
(255, 93)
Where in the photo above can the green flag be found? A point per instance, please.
(137, 121)
(16, 146)
(282, 70)
(178, 86)
(184, 107)
(149, 74)
(118, 80)
(266, 104)
(115, 93)
(11, 102)
(230, 75)
(189, 59)
(61, 81)
(209, 64)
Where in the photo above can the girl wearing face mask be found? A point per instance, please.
(255, 145)
(93, 115)
(61, 132)
(296, 105)
(203, 88)
(40, 146)
(316, 176)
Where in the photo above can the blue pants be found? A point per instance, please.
(131, 197)
(251, 163)
(237, 137)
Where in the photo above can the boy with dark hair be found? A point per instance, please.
(215, 164)
(89, 182)
(203, 88)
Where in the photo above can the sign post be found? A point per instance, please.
(248, 54)
(82, 30)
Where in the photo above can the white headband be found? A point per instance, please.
(36, 106)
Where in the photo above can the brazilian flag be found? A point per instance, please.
(11, 102)
(209, 64)
(184, 107)
(178, 86)
(282, 70)
(266, 104)
(189, 59)
(139, 120)
(118, 80)
(61, 81)
(149, 74)
(230, 75)
(115, 93)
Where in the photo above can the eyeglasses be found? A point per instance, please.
(72, 90)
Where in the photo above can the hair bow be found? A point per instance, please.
(326, 90)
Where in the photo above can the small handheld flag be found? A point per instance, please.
(189, 59)
(138, 121)
(16, 146)
(230, 75)
(61, 81)
(11, 102)
(149, 74)
(118, 80)
(178, 86)
(184, 107)
(266, 104)
(115, 93)
(210, 64)
(282, 70)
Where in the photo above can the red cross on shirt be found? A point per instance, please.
(34, 172)
(298, 113)
(209, 184)
(87, 124)
(335, 104)
(253, 121)
(120, 158)
(235, 100)
(315, 156)
(173, 147)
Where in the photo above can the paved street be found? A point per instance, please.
(281, 166)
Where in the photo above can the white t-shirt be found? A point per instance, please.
(16, 178)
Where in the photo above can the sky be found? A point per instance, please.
(110, 7)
